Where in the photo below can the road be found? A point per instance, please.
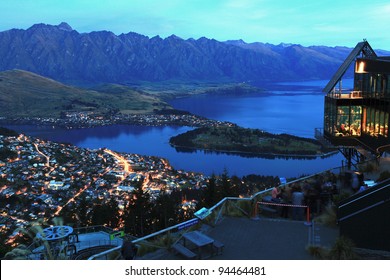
(42, 154)
(126, 166)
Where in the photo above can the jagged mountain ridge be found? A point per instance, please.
(63, 54)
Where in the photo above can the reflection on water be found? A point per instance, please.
(255, 155)
(295, 109)
(293, 114)
(155, 141)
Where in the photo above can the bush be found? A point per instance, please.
(367, 168)
(318, 252)
(233, 208)
(19, 253)
(145, 248)
(383, 176)
(340, 197)
(164, 241)
(328, 217)
(343, 250)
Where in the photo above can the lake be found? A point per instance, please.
(293, 109)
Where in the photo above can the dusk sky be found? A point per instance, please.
(320, 22)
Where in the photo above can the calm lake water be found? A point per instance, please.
(294, 109)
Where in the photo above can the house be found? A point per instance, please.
(56, 185)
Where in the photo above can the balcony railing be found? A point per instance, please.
(164, 239)
(62, 249)
(346, 94)
(229, 206)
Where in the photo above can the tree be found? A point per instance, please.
(236, 186)
(165, 211)
(4, 248)
(82, 212)
(113, 213)
(106, 214)
(210, 194)
(224, 188)
(99, 215)
(138, 212)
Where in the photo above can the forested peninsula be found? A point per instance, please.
(235, 139)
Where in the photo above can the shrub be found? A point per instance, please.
(341, 196)
(318, 252)
(383, 176)
(343, 250)
(329, 216)
(367, 168)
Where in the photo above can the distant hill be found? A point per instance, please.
(63, 54)
(25, 94)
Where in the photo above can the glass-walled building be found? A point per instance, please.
(361, 114)
(343, 120)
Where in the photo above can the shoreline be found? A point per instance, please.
(70, 126)
(324, 155)
(182, 119)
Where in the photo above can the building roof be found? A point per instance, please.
(362, 47)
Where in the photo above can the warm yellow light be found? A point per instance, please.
(360, 66)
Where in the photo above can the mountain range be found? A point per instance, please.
(63, 54)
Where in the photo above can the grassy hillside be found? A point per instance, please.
(25, 94)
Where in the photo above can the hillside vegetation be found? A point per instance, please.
(243, 140)
(25, 94)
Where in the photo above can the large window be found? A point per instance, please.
(356, 120)
(349, 120)
(376, 122)
(330, 116)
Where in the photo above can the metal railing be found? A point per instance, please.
(91, 229)
(382, 149)
(228, 205)
(345, 94)
(37, 248)
(364, 201)
(367, 147)
(98, 242)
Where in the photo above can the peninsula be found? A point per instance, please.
(235, 139)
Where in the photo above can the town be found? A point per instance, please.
(92, 119)
(40, 180)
